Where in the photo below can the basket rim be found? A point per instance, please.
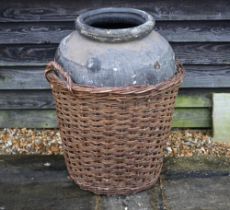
(54, 80)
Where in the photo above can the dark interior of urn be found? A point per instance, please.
(114, 20)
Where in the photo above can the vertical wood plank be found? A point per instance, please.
(221, 117)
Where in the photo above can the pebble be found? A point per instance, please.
(47, 164)
(168, 150)
(9, 143)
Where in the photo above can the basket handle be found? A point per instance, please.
(179, 64)
(53, 66)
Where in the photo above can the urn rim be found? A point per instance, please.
(115, 24)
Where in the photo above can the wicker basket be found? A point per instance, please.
(113, 138)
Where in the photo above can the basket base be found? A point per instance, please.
(117, 191)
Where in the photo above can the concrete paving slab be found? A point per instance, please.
(39, 183)
(146, 200)
(197, 184)
(211, 193)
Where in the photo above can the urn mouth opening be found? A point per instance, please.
(116, 20)
(115, 24)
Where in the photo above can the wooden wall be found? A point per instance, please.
(30, 31)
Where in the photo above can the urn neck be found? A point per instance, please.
(115, 24)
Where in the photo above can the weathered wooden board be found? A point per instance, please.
(193, 117)
(37, 99)
(23, 78)
(202, 53)
(207, 76)
(221, 117)
(197, 76)
(174, 31)
(194, 100)
(43, 99)
(59, 10)
(26, 54)
(194, 31)
(28, 119)
(34, 33)
(188, 53)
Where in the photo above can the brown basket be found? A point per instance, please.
(113, 138)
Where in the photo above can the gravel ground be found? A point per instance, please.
(182, 143)
(187, 143)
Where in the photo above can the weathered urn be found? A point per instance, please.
(116, 47)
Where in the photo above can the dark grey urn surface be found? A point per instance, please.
(116, 47)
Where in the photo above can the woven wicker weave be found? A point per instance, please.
(113, 138)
